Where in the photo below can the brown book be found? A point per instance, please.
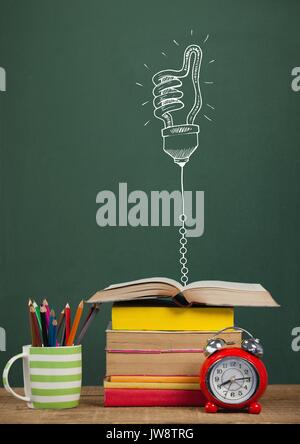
(160, 340)
(178, 353)
(213, 293)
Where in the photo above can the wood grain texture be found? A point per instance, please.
(281, 404)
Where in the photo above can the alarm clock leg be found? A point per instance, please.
(210, 407)
(254, 408)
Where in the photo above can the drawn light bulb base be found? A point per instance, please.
(180, 141)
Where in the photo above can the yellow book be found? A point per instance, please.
(157, 379)
(150, 316)
(152, 385)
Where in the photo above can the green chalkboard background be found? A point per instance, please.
(72, 125)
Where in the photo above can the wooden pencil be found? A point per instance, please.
(30, 322)
(54, 333)
(71, 338)
(94, 311)
(45, 303)
(60, 321)
(89, 315)
(50, 329)
(37, 313)
(86, 319)
(43, 311)
(37, 342)
(67, 323)
(61, 335)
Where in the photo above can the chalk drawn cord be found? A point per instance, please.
(183, 240)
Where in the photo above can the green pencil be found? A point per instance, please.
(37, 313)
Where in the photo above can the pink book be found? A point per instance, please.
(115, 397)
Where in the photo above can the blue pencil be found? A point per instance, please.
(54, 333)
(51, 330)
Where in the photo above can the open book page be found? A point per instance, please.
(225, 285)
(164, 280)
(229, 297)
(134, 292)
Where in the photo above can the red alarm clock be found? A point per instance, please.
(233, 378)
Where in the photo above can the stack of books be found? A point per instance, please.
(159, 330)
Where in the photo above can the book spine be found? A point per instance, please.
(167, 364)
(155, 351)
(153, 385)
(160, 378)
(153, 398)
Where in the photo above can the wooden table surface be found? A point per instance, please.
(281, 404)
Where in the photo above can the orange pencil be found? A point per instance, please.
(75, 325)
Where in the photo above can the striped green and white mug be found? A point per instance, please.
(52, 376)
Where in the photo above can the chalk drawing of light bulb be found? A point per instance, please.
(179, 141)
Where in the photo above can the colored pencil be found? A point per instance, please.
(60, 324)
(61, 333)
(60, 321)
(71, 338)
(50, 329)
(45, 303)
(37, 313)
(68, 323)
(63, 341)
(30, 321)
(53, 333)
(87, 318)
(93, 312)
(43, 311)
(37, 342)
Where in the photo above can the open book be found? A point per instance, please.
(216, 293)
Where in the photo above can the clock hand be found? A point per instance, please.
(228, 389)
(237, 379)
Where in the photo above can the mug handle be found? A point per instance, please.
(5, 377)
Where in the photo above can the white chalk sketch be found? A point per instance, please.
(2, 79)
(167, 93)
(2, 340)
(180, 141)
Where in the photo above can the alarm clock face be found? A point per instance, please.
(232, 380)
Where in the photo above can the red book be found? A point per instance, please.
(150, 397)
